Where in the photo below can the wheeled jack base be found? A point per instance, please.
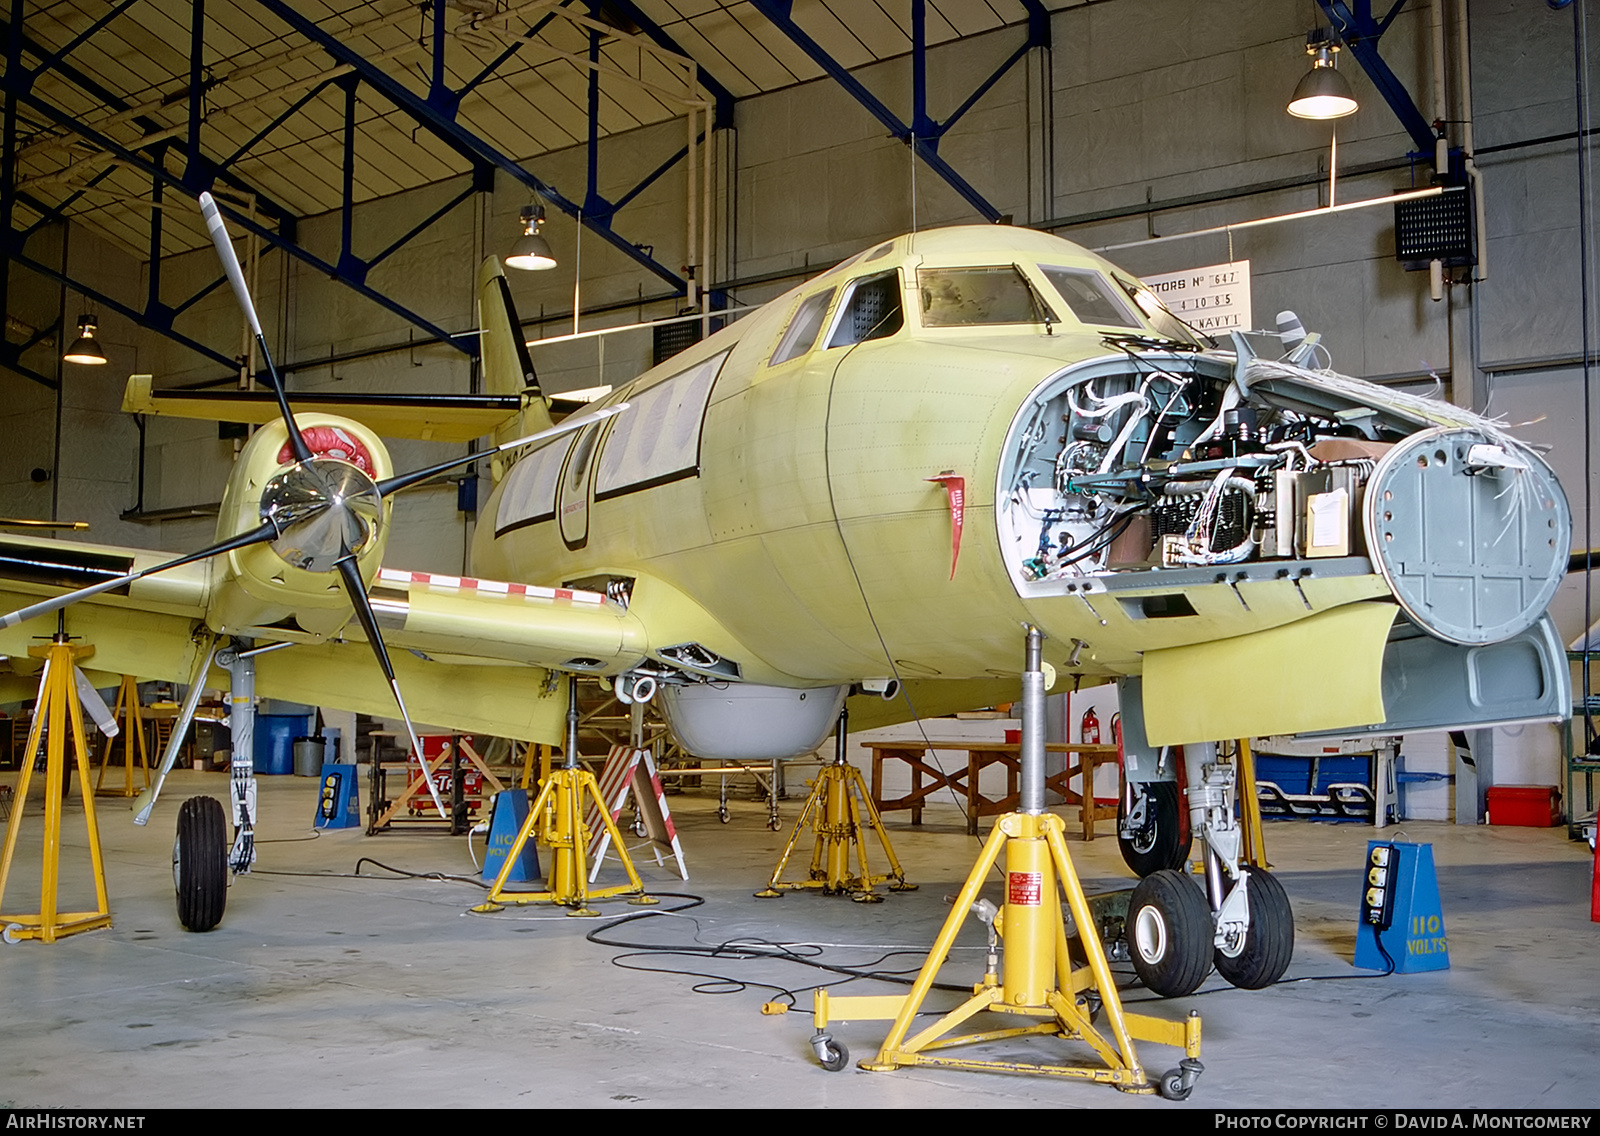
(1039, 980)
(834, 814)
(557, 818)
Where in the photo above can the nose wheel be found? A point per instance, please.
(1169, 934)
(1150, 829)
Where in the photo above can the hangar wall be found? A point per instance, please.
(1108, 137)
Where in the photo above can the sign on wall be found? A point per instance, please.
(1214, 299)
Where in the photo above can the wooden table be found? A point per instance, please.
(927, 778)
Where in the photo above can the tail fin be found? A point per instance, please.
(507, 369)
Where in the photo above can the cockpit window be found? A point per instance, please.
(870, 309)
(1090, 296)
(803, 328)
(1160, 316)
(962, 297)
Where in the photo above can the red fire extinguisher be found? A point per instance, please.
(1089, 729)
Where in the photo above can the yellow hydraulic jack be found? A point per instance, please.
(128, 713)
(1039, 980)
(836, 819)
(557, 817)
(58, 701)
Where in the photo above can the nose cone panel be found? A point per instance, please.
(1470, 530)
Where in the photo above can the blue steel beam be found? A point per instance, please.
(1361, 33)
(82, 37)
(466, 345)
(293, 109)
(722, 116)
(650, 178)
(20, 80)
(923, 134)
(107, 303)
(49, 214)
(440, 122)
(495, 64)
(474, 186)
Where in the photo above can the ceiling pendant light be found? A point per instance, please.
(532, 252)
(1323, 93)
(85, 349)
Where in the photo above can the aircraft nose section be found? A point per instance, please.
(1470, 530)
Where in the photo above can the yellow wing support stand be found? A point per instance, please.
(131, 717)
(1040, 989)
(557, 820)
(834, 807)
(57, 703)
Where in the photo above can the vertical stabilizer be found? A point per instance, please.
(507, 369)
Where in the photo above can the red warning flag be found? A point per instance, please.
(956, 488)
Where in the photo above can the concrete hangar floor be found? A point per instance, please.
(323, 988)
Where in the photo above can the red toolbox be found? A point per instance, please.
(1526, 806)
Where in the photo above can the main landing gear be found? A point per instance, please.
(1240, 921)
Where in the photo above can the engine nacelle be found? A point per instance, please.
(291, 578)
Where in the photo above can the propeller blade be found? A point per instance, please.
(566, 426)
(266, 531)
(146, 800)
(230, 265)
(357, 589)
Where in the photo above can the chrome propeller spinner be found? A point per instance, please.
(325, 510)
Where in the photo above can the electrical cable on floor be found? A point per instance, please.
(398, 873)
(316, 834)
(748, 950)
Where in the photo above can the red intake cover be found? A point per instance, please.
(331, 442)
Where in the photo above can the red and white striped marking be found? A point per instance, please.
(399, 579)
(619, 775)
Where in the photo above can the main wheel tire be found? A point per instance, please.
(1162, 843)
(200, 863)
(1169, 933)
(1269, 942)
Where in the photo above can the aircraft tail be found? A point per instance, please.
(507, 368)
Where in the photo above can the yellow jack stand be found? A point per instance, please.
(57, 698)
(557, 816)
(1040, 980)
(131, 717)
(836, 819)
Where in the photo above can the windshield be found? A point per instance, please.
(964, 297)
(1161, 317)
(1091, 297)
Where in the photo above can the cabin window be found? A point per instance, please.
(1090, 296)
(803, 328)
(963, 297)
(870, 310)
(530, 493)
(657, 439)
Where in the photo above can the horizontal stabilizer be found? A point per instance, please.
(430, 417)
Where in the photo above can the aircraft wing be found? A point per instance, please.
(432, 418)
(472, 655)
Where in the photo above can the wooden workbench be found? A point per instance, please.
(927, 778)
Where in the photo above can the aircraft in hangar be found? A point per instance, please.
(865, 487)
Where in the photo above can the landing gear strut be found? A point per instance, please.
(1241, 922)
